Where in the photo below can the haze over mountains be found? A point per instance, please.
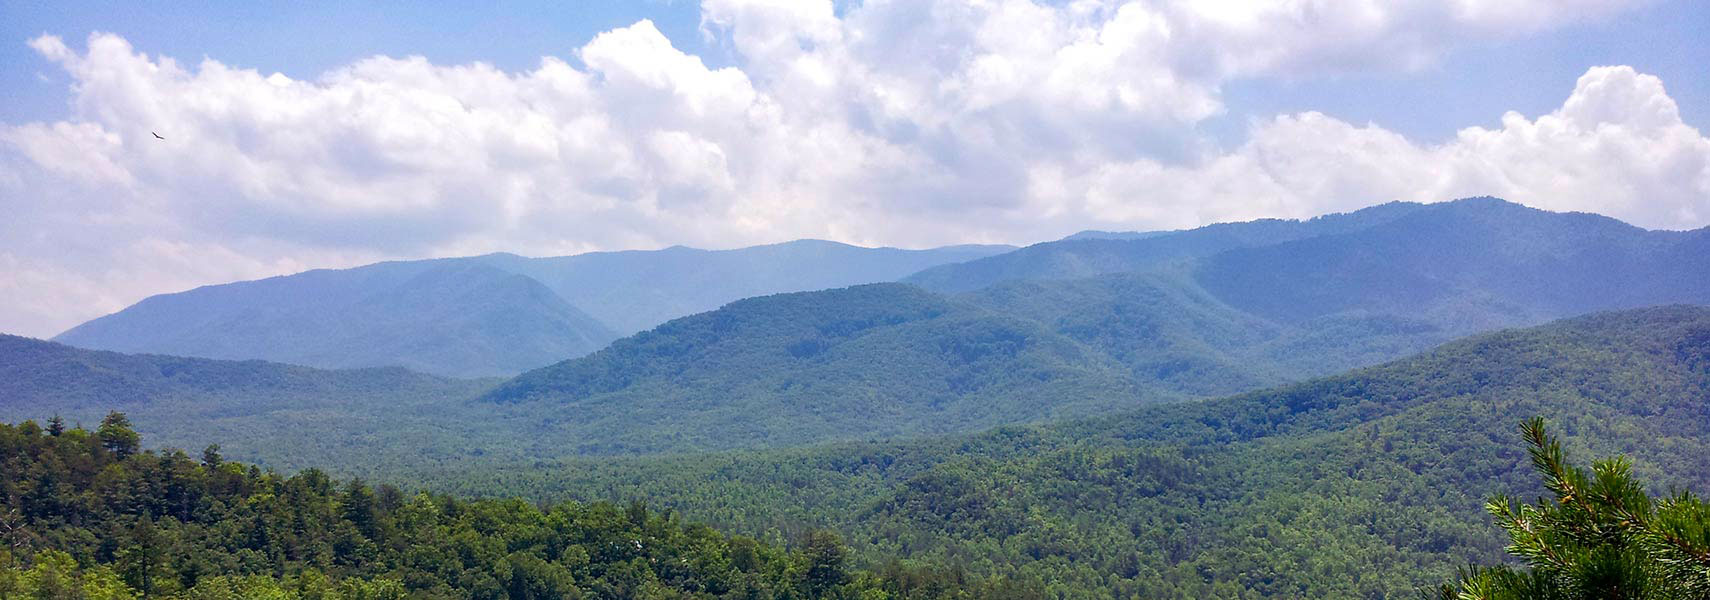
(1186, 321)
(1162, 318)
(1420, 273)
(1161, 415)
(490, 315)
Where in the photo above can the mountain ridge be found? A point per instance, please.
(494, 314)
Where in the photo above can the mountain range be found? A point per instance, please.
(894, 360)
(1271, 409)
(1366, 484)
(491, 315)
(888, 360)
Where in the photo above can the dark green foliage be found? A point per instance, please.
(1600, 536)
(116, 435)
(1367, 484)
(84, 521)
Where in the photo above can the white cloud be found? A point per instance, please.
(909, 123)
(1616, 147)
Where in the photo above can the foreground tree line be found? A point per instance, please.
(88, 514)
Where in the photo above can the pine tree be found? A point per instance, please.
(1601, 537)
(824, 558)
(117, 436)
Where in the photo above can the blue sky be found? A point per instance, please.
(303, 135)
(304, 39)
(1471, 85)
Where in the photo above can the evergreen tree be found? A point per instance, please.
(211, 457)
(823, 566)
(1601, 537)
(143, 563)
(117, 436)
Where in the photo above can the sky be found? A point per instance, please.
(302, 135)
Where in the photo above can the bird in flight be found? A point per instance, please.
(157, 136)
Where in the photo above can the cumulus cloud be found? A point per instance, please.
(907, 123)
(1617, 146)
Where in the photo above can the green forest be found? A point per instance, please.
(1273, 409)
(91, 515)
(1371, 484)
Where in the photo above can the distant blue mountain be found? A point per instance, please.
(452, 317)
(498, 314)
(1093, 234)
(637, 290)
(1096, 253)
(1085, 327)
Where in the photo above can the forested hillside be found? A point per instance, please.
(498, 314)
(879, 360)
(284, 416)
(1174, 336)
(1367, 484)
(456, 318)
(1218, 310)
(636, 290)
(1462, 266)
(1467, 265)
(885, 361)
(89, 514)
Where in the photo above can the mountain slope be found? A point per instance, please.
(1350, 290)
(284, 416)
(486, 315)
(1169, 333)
(879, 360)
(1090, 253)
(1468, 265)
(893, 360)
(1360, 289)
(447, 317)
(1366, 484)
(637, 290)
